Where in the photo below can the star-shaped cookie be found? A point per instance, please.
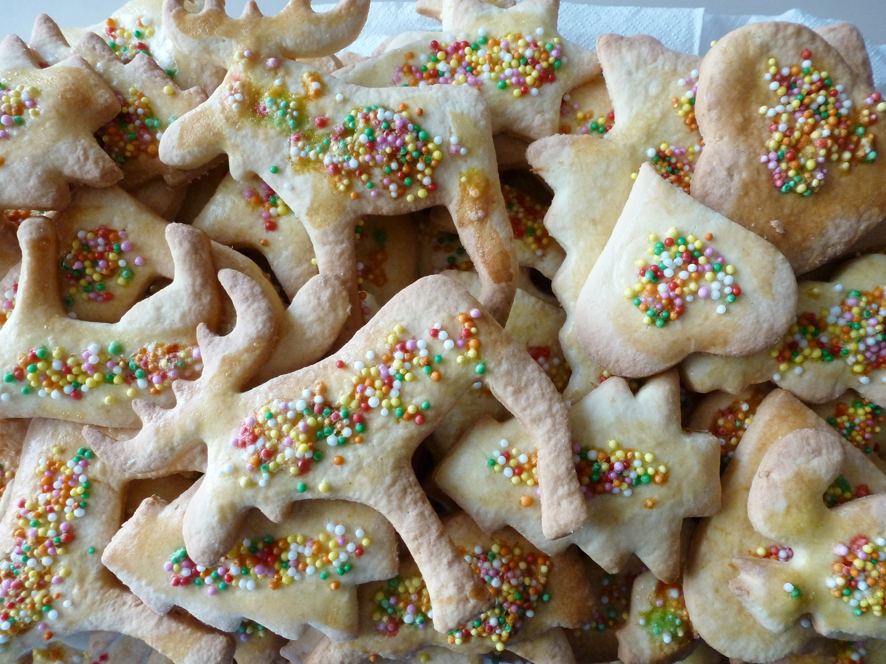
(43, 145)
(799, 141)
(534, 593)
(150, 101)
(677, 278)
(283, 576)
(137, 27)
(839, 552)
(54, 365)
(641, 474)
(514, 56)
(717, 615)
(66, 504)
(833, 345)
(316, 433)
(652, 91)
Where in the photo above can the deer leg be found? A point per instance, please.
(211, 526)
(519, 383)
(336, 255)
(457, 594)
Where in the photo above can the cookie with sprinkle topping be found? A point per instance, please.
(137, 27)
(677, 278)
(640, 474)
(534, 593)
(150, 100)
(840, 551)
(534, 324)
(798, 134)
(302, 570)
(592, 179)
(336, 152)
(43, 144)
(71, 503)
(718, 615)
(832, 345)
(54, 365)
(315, 433)
(99, 648)
(514, 56)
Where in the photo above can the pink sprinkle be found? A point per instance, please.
(475, 313)
(139, 261)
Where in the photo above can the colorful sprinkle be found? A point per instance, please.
(858, 422)
(290, 435)
(57, 374)
(681, 269)
(372, 257)
(778, 552)
(135, 132)
(249, 629)
(684, 105)
(371, 149)
(94, 262)
(127, 43)
(667, 617)
(859, 575)
(841, 492)
(851, 331)
(553, 363)
(516, 578)
(584, 122)
(449, 247)
(614, 594)
(18, 105)
(527, 219)
(7, 304)
(814, 124)
(273, 562)
(616, 470)
(674, 164)
(272, 206)
(516, 63)
(730, 423)
(33, 574)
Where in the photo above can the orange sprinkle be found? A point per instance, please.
(649, 503)
(338, 460)
(526, 501)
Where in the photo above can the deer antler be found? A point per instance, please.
(237, 356)
(38, 296)
(296, 31)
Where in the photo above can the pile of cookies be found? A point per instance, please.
(485, 347)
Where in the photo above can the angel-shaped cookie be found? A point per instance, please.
(833, 345)
(66, 505)
(303, 570)
(534, 593)
(643, 79)
(640, 472)
(676, 278)
(839, 553)
(44, 145)
(334, 151)
(718, 616)
(795, 156)
(514, 56)
(57, 366)
(149, 98)
(316, 433)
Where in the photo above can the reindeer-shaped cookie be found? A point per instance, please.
(56, 366)
(838, 571)
(334, 151)
(51, 573)
(347, 427)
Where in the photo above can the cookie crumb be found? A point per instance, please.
(777, 225)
